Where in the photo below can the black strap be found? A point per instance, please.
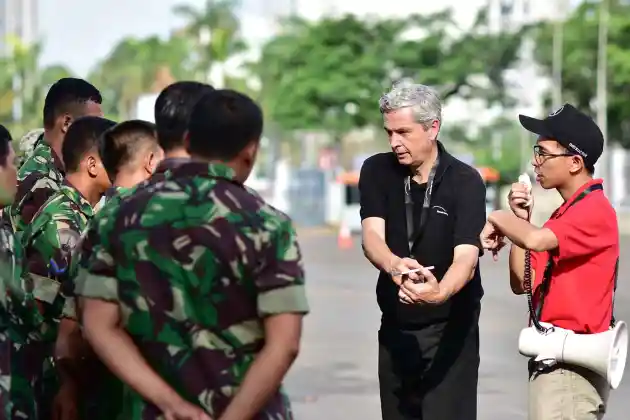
(412, 234)
(546, 282)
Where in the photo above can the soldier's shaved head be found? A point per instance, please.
(223, 124)
(71, 97)
(125, 145)
(81, 139)
(172, 111)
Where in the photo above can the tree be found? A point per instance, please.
(216, 31)
(328, 74)
(579, 76)
(24, 84)
(130, 70)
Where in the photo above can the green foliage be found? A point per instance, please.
(498, 145)
(22, 67)
(324, 76)
(131, 69)
(579, 68)
(329, 74)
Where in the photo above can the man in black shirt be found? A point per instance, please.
(423, 208)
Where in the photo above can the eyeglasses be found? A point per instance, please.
(541, 155)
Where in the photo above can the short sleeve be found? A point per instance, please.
(584, 228)
(97, 278)
(55, 248)
(280, 285)
(371, 194)
(470, 212)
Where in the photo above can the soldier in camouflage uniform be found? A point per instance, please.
(172, 112)
(205, 278)
(48, 243)
(20, 321)
(130, 154)
(42, 173)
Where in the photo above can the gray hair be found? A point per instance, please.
(423, 100)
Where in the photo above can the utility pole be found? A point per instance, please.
(602, 86)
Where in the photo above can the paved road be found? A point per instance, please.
(335, 376)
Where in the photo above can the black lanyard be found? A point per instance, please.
(546, 282)
(412, 234)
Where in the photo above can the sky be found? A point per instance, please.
(87, 30)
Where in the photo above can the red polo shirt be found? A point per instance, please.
(582, 281)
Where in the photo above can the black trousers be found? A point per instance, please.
(430, 373)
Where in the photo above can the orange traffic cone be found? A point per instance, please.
(344, 239)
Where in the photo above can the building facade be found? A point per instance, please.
(18, 18)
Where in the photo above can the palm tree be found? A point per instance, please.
(216, 30)
(24, 84)
(132, 67)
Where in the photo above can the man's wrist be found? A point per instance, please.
(445, 292)
(393, 261)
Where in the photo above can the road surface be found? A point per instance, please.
(335, 376)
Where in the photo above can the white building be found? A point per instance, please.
(18, 18)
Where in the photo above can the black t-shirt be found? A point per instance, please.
(456, 216)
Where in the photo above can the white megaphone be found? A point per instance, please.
(604, 353)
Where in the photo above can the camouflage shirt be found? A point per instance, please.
(195, 263)
(21, 325)
(103, 397)
(49, 242)
(113, 197)
(38, 178)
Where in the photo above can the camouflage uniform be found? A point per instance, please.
(48, 244)
(103, 397)
(22, 327)
(194, 276)
(27, 144)
(38, 178)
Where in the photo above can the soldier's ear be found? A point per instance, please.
(66, 123)
(250, 152)
(92, 166)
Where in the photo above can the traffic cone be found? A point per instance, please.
(344, 239)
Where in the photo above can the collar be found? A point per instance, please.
(48, 152)
(563, 208)
(446, 159)
(77, 198)
(197, 168)
(112, 191)
(169, 164)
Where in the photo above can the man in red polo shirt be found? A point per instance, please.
(573, 257)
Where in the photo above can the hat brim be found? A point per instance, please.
(534, 125)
